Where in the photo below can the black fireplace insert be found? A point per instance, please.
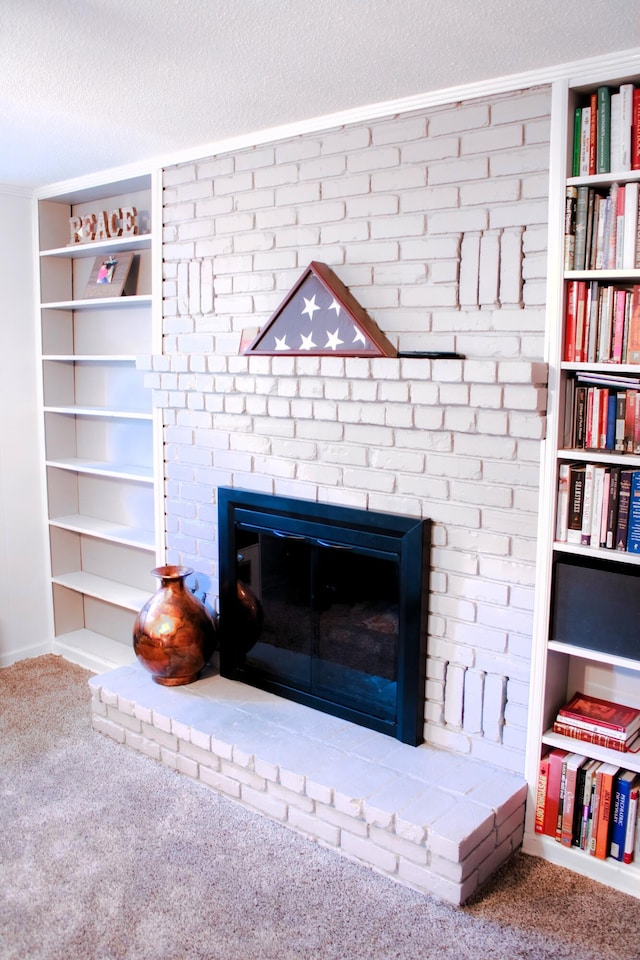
(326, 605)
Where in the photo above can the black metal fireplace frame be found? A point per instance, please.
(407, 539)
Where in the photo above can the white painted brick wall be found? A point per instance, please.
(437, 223)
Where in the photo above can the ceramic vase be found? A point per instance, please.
(174, 633)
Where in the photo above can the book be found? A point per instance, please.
(612, 511)
(605, 776)
(633, 343)
(603, 124)
(589, 776)
(630, 229)
(577, 128)
(625, 782)
(585, 140)
(608, 714)
(626, 119)
(633, 531)
(580, 246)
(635, 130)
(570, 321)
(571, 197)
(623, 509)
(573, 763)
(562, 504)
(576, 493)
(615, 159)
(632, 833)
(556, 758)
(599, 739)
(541, 794)
(587, 504)
(579, 422)
(590, 800)
(580, 352)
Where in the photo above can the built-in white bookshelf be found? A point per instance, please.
(100, 435)
(575, 647)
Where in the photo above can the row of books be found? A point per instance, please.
(606, 131)
(598, 506)
(601, 229)
(602, 412)
(602, 323)
(591, 804)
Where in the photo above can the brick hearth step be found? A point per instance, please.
(433, 821)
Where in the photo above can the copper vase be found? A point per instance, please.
(174, 633)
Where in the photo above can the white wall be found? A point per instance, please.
(24, 627)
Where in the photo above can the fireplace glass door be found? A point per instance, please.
(329, 619)
(326, 605)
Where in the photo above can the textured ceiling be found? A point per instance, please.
(90, 84)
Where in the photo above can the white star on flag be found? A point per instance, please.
(359, 336)
(281, 343)
(307, 342)
(335, 306)
(310, 306)
(333, 340)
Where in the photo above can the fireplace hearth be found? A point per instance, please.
(326, 605)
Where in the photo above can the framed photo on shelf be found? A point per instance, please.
(108, 275)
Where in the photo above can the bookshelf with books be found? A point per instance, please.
(98, 291)
(586, 640)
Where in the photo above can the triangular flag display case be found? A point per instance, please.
(320, 316)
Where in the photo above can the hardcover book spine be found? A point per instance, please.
(633, 533)
(623, 509)
(562, 506)
(604, 130)
(635, 130)
(631, 834)
(541, 794)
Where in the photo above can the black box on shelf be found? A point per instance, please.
(595, 604)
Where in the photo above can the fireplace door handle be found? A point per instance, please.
(288, 536)
(334, 546)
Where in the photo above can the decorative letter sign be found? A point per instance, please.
(122, 222)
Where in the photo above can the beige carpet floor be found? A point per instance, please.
(107, 855)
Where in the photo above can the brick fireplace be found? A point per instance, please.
(436, 222)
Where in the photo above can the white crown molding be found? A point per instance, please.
(611, 65)
(591, 70)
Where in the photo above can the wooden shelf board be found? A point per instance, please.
(122, 303)
(90, 357)
(102, 468)
(600, 456)
(93, 650)
(89, 411)
(140, 241)
(616, 556)
(106, 530)
(118, 594)
(629, 761)
(598, 656)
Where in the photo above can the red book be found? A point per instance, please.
(541, 794)
(635, 130)
(571, 316)
(619, 313)
(556, 758)
(580, 350)
(593, 135)
(602, 713)
(633, 339)
(606, 773)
